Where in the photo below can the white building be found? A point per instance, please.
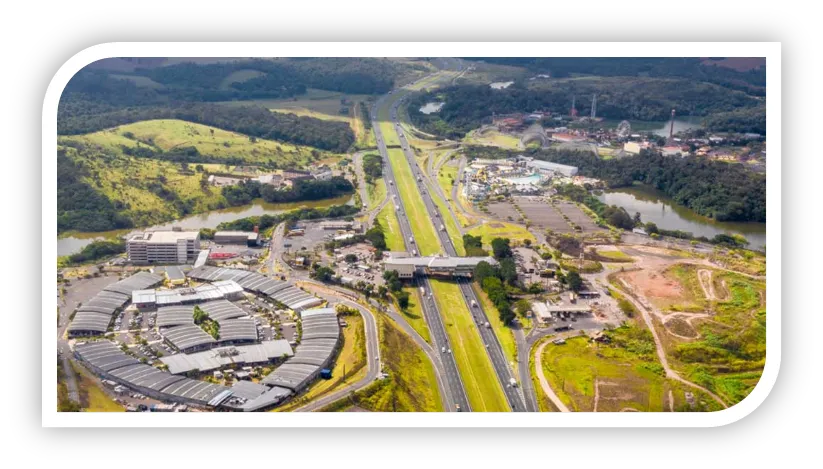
(163, 247)
(542, 166)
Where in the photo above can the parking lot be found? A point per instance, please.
(578, 216)
(542, 214)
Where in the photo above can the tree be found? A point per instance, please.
(323, 273)
(484, 270)
(501, 248)
(351, 258)
(574, 280)
(402, 299)
(508, 271)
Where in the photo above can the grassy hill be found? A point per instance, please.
(213, 144)
(103, 184)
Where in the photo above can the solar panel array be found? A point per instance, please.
(291, 296)
(115, 364)
(314, 351)
(95, 315)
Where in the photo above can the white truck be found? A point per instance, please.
(411, 239)
(442, 227)
(474, 304)
(513, 382)
(488, 326)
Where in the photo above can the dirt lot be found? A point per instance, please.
(543, 215)
(578, 216)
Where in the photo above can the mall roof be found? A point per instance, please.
(291, 376)
(89, 321)
(282, 292)
(222, 356)
(187, 336)
(233, 330)
(138, 281)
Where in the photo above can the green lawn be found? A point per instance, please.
(479, 379)
(498, 229)
(504, 333)
(448, 222)
(391, 228)
(617, 256)
(414, 314)
(376, 192)
(421, 224)
(628, 373)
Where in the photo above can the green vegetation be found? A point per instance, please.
(640, 98)
(202, 319)
(716, 189)
(349, 366)
(391, 228)
(503, 331)
(479, 379)
(92, 397)
(373, 167)
(411, 385)
(473, 245)
(421, 224)
(615, 256)
(265, 222)
(97, 250)
(307, 189)
(414, 313)
(490, 230)
(691, 296)
(376, 192)
(729, 356)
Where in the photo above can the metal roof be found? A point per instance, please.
(233, 330)
(187, 336)
(138, 281)
(247, 389)
(269, 398)
(221, 310)
(283, 292)
(104, 355)
(291, 376)
(222, 356)
(175, 316)
(89, 321)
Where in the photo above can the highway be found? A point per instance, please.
(514, 395)
(456, 393)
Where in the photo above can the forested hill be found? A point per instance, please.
(752, 81)
(635, 98)
(720, 190)
(97, 99)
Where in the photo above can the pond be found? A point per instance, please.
(75, 241)
(667, 214)
(680, 125)
(500, 85)
(431, 107)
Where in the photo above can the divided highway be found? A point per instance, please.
(456, 395)
(516, 400)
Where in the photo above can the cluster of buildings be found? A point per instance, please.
(519, 175)
(233, 350)
(181, 247)
(282, 179)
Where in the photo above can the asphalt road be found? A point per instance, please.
(456, 393)
(372, 356)
(494, 349)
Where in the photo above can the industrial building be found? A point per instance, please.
(443, 266)
(547, 166)
(248, 238)
(163, 247)
(546, 313)
(94, 316)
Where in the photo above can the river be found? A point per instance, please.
(73, 242)
(667, 214)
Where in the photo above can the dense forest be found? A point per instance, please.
(264, 222)
(647, 99)
(309, 189)
(79, 206)
(349, 75)
(752, 82)
(748, 120)
(251, 120)
(720, 190)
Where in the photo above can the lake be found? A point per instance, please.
(75, 241)
(665, 213)
(680, 125)
(431, 107)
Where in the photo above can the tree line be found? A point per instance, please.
(301, 190)
(252, 120)
(648, 99)
(716, 189)
(495, 279)
(752, 81)
(264, 222)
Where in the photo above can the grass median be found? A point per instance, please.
(479, 379)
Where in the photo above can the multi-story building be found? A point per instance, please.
(163, 247)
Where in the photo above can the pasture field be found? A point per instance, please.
(497, 229)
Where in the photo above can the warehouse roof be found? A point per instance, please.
(175, 316)
(138, 281)
(187, 336)
(247, 389)
(269, 398)
(222, 356)
(104, 355)
(89, 321)
(283, 292)
(233, 330)
(221, 310)
(291, 376)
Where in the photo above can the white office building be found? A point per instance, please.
(163, 247)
